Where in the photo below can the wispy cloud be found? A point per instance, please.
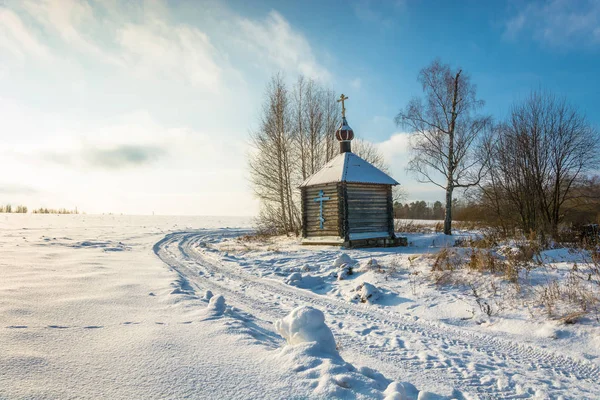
(557, 23)
(12, 189)
(146, 42)
(16, 38)
(378, 13)
(356, 83)
(74, 22)
(156, 49)
(115, 157)
(147, 47)
(123, 156)
(282, 46)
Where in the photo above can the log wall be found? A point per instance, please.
(369, 208)
(311, 212)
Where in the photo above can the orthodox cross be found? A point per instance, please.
(321, 199)
(342, 98)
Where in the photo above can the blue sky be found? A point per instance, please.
(141, 107)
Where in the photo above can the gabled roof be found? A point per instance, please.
(348, 167)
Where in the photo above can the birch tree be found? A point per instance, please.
(271, 163)
(445, 132)
(331, 121)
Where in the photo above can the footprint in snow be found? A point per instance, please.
(93, 327)
(17, 327)
(57, 327)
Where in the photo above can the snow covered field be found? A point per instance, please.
(178, 307)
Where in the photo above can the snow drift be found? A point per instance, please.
(343, 259)
(367, 293)
(307, 325)
(304, 281)
(216, 305)
(311, 352)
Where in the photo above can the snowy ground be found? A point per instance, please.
(88, 310)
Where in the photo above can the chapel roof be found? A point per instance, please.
(348, 167)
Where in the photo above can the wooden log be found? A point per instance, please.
(376, 227)
(366, 212)
(371, 218)
(322, 232)
(365, 185)
(326, 214)
(367, 197)
(368, 229)
(332, 206)
(382, 201)
(368, 223)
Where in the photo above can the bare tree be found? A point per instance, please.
(271, 162)
(331, 121)
(370, 153)
(445, 132)
(537, 157)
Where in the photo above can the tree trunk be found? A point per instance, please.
(448, 216)
(451, 166)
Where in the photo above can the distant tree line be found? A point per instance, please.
(582, 207)
(419, 210)
(10, 209)
(295, 138)
(43, 210)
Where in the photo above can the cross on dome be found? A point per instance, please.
(344, 133)
(341, 99)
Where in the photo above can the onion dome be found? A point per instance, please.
(344, 132)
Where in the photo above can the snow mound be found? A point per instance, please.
(304, 325)
(216, 305)
(344, 271)
(294, 279)
(343, 259)
(311, 353)
(304, 281)
(401, 391)
(367, 293)
(370, 265)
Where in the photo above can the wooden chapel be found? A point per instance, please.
(349, 201)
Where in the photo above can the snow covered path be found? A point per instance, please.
(449, 360)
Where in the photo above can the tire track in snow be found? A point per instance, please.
(187, 254)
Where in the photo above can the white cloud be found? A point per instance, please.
(149, 49)
(17, 39)
(73, 21)
(282, 46)
(356, 83)
(396, 151)
(557, 23)
(156, 49)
